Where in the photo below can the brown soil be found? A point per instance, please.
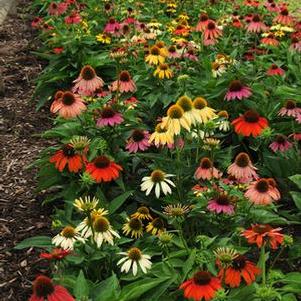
(22, 215)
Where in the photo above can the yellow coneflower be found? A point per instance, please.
(133, 227)
(103, 38)
(190, 112)
(206, 113)
(155, 227)
(175, 119)
(163, 71)
(161, 136)
(163, 49)
(154, 57)
(142, 213)
(86, 204)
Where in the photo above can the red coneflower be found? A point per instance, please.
(206, 170)
(67, 156)
(250, 123)
(124, 83)
(44, 289)
(55, 254)
(102, 169)
(36, 22)
(237, 91)
(290, 109)
(240, 268)
(264, 234)
(68, 105)
(284, 18)
(56, 9)
(73, 18)
(270, 40)
(275, 70)
(201, 286)
(256, 25)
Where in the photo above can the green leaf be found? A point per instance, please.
(37, 241)
(189, 264)
(81, 289)
(117, 202)
(296, 198)
(296, 179)
(244, 293)
(107, 290)
(289, 297)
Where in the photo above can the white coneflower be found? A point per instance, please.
(157, 179)
(86, 204)
(132, 258)
(67, 237)
(103, 231)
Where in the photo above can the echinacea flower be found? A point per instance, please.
(69, 105)
(86, 204)
(133, 227)
(87, 82)
(290, 109)
(156, 226)
(190, 112)
(155, 56)
(67, 238)
(139, 140)
(203, 285)
(45, 290)
(280, 144)
(161, 136)
(57, 9)
(134, 258)
(203, 22)
(142, 213)
(256, 25)
(112, 26)
(73, 18)
(275, 70)
(163, 71)
(67, 156)
(206, 170)
(242, 168)
(55, 254)
(223, 122)
(225, 256)
(284, 18)
(211, 31)
(124, 83)
(264, 234)
(205, 113)
(295, 45)
(237, 91)
(103, 231)
(261, 193)
(158, 180)
(221, 204)
(102, 169)
(240, 268)
(269, 40)
(173, 53)
(109, 117)
(250, 123)
(176, 211)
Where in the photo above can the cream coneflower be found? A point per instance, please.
(124, 83)
(103, 231)
(86, 204)
(225, 256)
(156, 226)
(87, 82)
(154, 57)
(206, 170)
(133, 227)
(142, 213)
(190, 113)
(163, 71)
(67, 238)
(223, 122)
(175, 119)
(206, 113)
(177, 210)
(133, 258)
(243, 169)
(161, 136)
(159, 180)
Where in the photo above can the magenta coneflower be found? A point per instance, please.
(275, 70)
(124, 83)
(206, 170)
(112, 26)
(256, 25)
(138, 141)
(44, 289)
(261, 192)
(290, 109)
(237, 91)
(243, 169)
(284, 18)
(87, 82)
(203, 22)
(221, 204)
(296, 45)
(109, 117)
(280, 144)
(211, 31)
(270, 40)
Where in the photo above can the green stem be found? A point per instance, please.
(277, 257)
(263, 263)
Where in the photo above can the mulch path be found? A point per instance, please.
(22, 215)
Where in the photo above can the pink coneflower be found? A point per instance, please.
(275, 70)
(109, 117)
(261, 192)
(290, 109)
(221, 204)
(298, 119)
(172, 52)
(112, 26)
(203, 22)
(124, 83)
(87, 82)
(296, 45)
(56, 9)
(211, 31)
(237, 91)
(242, 168)
(73, 18)
(190, 54)
(280, 144)
(256, 25)
(138, 141)
(68, 105)
(284, 18)
(206, 170)
(44, 289)
(270, 40)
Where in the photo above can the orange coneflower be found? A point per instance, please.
(264, 234)
(102, 169)
(256, 25)
(250, 123)
(270, 40)
(203, 21)
(284, 18)
(211, 31)
(67, 156)
(124, 83)
(206, 170)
